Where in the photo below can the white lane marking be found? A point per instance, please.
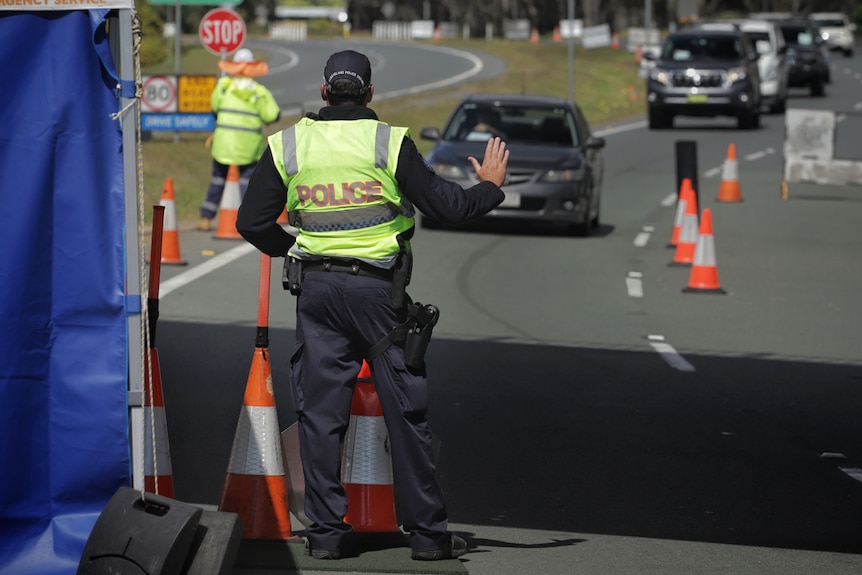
(853, 472)
(621, 128)
(756, 156)
(203, 269)
(832, 455)
(669, 200)
(643, 237)
(669, 354)
(634, 284)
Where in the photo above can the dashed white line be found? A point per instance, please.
(643, 237)
(634, 284)
(669, 200)
(669, 354)
(853, 472)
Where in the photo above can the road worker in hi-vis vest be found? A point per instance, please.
(242, 107)
(351, 185)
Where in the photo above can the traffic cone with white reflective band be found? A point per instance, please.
(366, 464)
(255, 487)
(704, 272)
(229, 207)
(158, 472)
(728, 190)
(170, 235)
(687, 241)
(684, 189)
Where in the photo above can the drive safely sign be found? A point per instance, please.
(222, 31)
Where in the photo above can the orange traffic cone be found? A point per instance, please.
(170, 235)
(255, 487)
(558, 37)
(685, 190)
(366, 466)
(436, 33)
(615, 41)
(704, 273)
(687, 241)
(158, 473)
(534, 36)
(229, 207)
(729, 190)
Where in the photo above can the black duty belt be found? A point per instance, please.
(350, 266)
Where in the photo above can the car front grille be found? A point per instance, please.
(514, 177)
(698, 78)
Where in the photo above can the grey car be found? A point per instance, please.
(705, 71)
(555, 166)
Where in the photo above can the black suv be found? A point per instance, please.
(710, 70)
(806, 60)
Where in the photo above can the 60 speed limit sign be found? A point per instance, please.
(159, 94)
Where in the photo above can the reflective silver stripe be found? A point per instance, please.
(381, 146)
(235, 111)
(238, 128)
(288, 144)
(352, 219)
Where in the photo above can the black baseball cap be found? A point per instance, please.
(347, 65)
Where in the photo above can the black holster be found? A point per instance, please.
(291, 276)
(413, 335)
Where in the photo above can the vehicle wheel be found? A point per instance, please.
(848, 53)
(659, 120)
(429, 223)
(817, 89)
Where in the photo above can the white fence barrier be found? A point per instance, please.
(641, 37)
(291, 30)
(597, 37)
(809, 151)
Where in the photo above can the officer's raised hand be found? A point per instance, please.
(493, 166)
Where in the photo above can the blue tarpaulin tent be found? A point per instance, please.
(64, 294)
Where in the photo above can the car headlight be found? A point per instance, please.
(735, 75)
(557, 176)
(449, 171)
(660, 76)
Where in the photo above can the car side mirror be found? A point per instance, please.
(647, 55)
(430, 134)
(594, 143)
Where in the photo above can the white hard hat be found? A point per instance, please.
(243, 55)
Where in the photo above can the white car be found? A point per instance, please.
(837, 30)
(768, 40)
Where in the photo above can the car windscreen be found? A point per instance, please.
(830, 22)
(797, 34)
(553, 126)
(698, 48)
(760, 40)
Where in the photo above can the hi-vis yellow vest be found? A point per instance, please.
(341, 188)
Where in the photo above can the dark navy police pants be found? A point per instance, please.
(339, 317)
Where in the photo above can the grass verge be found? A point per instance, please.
(606, 86)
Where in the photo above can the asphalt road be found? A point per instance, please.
(587, 426)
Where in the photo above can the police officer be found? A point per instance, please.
(242, 106)
(351, 183)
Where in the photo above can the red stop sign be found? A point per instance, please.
(222, 31)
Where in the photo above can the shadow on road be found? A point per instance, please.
(581, 440)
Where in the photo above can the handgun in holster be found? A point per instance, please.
(413, 335)
(291, 277)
